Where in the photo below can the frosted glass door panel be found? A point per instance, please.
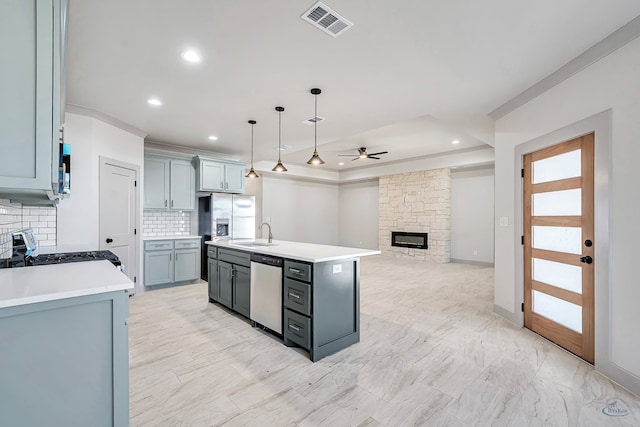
(565, 276)
(558, 239)
(560, 311)
(558, 203)
(562, 166)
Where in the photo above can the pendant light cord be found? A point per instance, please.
(279, 133)
(252, 145)
(315, 126)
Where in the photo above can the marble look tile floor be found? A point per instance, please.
(431, 353)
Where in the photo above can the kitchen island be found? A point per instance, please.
(319, 290)
(64, 341)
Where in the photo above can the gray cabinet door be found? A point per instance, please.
(183, 186)
(234, 178)
(26, 88)
(242, 290)
(187, 264)
(158, 267)
(211, 176)
(213, 280)
(225, 283)
(156, 183)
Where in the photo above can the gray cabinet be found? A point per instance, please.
(219, 176)
(171, 261)
(32, 43)
(186, 264)
(230, 279)
(322, 305)
(66, 362)
(225, 283)
(168, 184)
(214, 288)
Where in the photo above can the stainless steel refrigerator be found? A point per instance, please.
(225, 216)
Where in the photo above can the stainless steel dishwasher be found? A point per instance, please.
(266, 292)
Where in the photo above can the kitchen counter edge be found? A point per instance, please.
(30, 285)
(299, 251)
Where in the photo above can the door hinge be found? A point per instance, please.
(135, 231)
(522, 307)
(522, 173)
(135, 183)
(522, 240)
(135, 279)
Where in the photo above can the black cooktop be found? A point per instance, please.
(64, 257)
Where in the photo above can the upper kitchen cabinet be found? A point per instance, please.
(168, 184)
(32, 49)
(219, 176)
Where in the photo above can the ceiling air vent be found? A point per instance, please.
(312, 120)
(321, 16)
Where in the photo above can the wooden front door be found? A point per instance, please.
(559, 245)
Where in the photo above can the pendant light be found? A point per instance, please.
(315, 159)
(279, 167)
(252, 173)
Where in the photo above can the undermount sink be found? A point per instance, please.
(254, 244)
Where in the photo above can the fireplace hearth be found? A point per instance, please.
(409, 240)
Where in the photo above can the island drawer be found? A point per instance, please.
(297, 329)
(297, 270)
(235, 257)
(158, 245)
(297, 296)
(186, 243)
(212, 252)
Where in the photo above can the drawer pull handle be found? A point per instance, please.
(291, 294)
(294, 270)
(295, 328)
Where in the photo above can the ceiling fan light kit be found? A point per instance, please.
(315, 158)
(362, 154)
(252, 173)
(279, 167)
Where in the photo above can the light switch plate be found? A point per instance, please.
(504, 221)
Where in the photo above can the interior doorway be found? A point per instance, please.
(559, 244)
(118, 212)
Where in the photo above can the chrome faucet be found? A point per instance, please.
(268, 225)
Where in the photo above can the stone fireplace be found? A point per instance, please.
(416, 207)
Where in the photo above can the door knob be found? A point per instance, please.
(588, 243)
(586, 259)
(109, 240)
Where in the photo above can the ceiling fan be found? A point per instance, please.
(362, 154)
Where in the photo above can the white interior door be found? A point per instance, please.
(118, 197)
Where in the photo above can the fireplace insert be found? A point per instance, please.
(409, 240)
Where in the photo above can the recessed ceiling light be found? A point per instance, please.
(341, 164)
(154, 101)
(212, 138)
(455, 141)
(191, 56)
(282, 148)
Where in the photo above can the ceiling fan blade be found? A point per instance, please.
(371, 157)
(353, 160)
(376, 154)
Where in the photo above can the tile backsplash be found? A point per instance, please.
(14, 217)
(166, 223)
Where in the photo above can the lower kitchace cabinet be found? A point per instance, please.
(230, 279)
(171, 261)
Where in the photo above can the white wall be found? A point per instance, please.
(359, 214)
(611, 83)
(90, 138)
(472, 204)
(300, 210)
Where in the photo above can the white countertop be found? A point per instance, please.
(28, 285)
(309, 252)
(171, 237)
